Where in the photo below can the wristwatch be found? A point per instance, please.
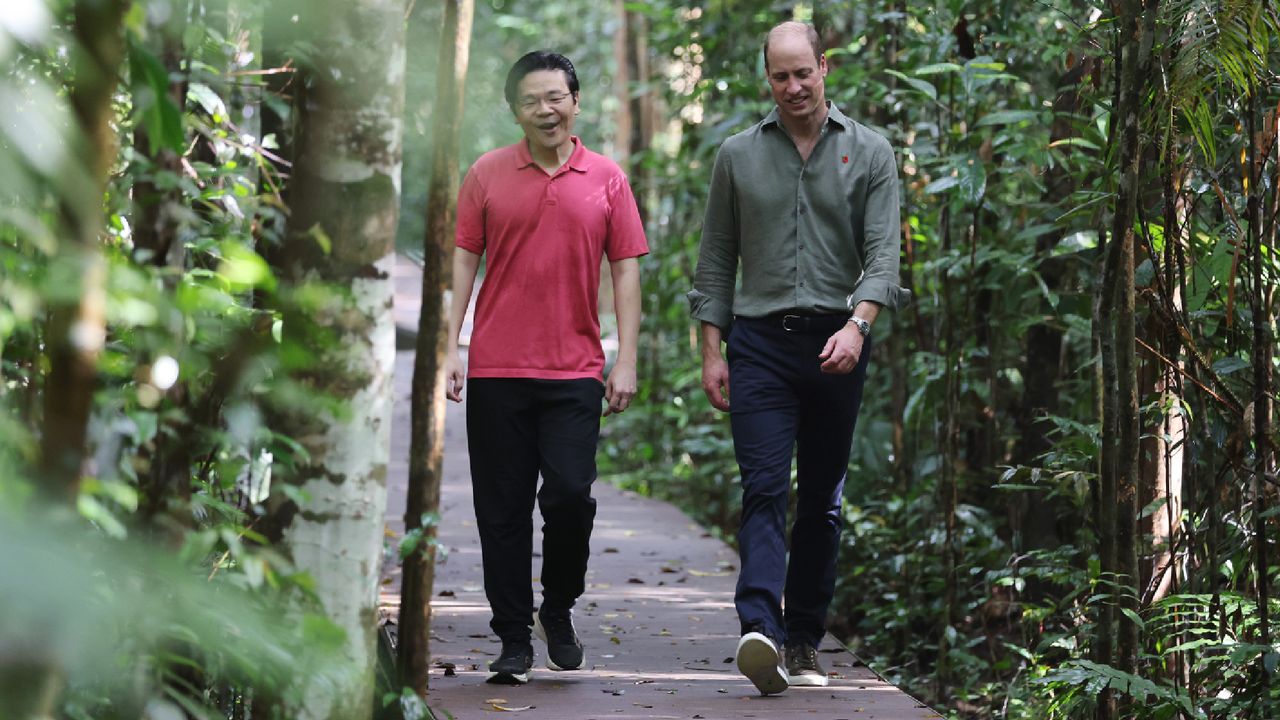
(863, 326)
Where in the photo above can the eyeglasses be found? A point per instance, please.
(529, 103)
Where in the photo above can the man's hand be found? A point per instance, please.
(840, 355)
(620, 387)
(715, 381)
(455, 375)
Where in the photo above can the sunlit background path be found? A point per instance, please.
(657, 618)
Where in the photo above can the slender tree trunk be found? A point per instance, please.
(1262, 351)
(76, 327)
(1136, 27)
(339, 253)
(156, 241)
(426, 451)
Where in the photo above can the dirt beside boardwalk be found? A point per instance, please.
(657, 619)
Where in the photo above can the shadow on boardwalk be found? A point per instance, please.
(657, 619)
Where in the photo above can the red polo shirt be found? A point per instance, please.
(543, 237)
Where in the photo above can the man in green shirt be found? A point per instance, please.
(807, 202)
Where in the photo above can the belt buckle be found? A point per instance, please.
(797, 326)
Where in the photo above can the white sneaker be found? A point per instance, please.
(758, 660)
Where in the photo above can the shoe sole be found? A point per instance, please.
(758, 660)
(807, 680)
(541, 634)
(502, 678)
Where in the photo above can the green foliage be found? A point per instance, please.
(162, 589)
(1008, 171)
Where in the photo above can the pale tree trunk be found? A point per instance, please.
(343, 199)
(622, 80)
(1163, 444)
(426, 446)
(76, 324)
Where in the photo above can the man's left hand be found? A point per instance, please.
(620, 388)
(840, 355)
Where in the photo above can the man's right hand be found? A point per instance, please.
(455, 375)
(715, 381)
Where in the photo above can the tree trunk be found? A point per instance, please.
(336, 271)
(426, 450)
(76, 329)
(1263, 348)
(156, 241)
(1136, 25)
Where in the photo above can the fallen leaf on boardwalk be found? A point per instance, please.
(614, 639)
(478, 636)
(722, 690)
(645, 682)
(668, 569)
(635, 581)
(714, 573)
(446, 593)
(610, 550)
(504, 708)
(727, 660)
(614, 692)
(640, 705)
(664, 633)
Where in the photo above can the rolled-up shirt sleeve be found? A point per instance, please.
(882, 233)
(711, 299)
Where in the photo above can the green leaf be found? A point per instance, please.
(1228, 365)
(151, 103)
(923, 86)
(938, 68)
(941, 185)
(1134, 618)
(1008, 117)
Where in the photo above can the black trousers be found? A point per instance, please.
(782, 403)
(517, 429)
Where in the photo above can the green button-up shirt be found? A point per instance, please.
(815, 236)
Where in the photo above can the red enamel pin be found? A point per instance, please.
(844, 159)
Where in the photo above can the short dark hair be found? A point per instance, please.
(810, 34)
(533, 62)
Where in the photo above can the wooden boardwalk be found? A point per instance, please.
(657, 619)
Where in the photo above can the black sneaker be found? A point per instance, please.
(564, 649)
(802, 666)
(512, 666)
(758, 659)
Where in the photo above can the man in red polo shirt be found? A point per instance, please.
(543, 212)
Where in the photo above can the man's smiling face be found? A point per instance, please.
(545, 109)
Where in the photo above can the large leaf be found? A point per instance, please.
(152, 105)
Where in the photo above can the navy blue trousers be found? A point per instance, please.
(519, 428)
(782, 403)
